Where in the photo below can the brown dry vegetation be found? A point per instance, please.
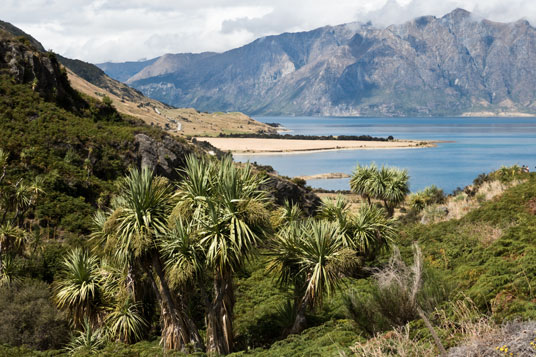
(131, 102)
(476, 335)
(458, 206)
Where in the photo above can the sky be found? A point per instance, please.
(129, 30)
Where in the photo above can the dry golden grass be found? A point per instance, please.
(458, 206)
(394, 343)
(194, 123)
(464, 325)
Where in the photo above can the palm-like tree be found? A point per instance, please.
(369, 231)
(125, 322)
(234, 224)
(183, 254)
(12, 240)
(336, 210)
(313, 257)
(87, 341)
(79, 287)
(227, 211)
(288, 213)
(388, 184)
(366, 232)
(139, 220)
(361, 178)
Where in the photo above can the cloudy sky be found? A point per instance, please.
(126, 30)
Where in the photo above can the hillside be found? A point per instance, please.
(92, 81)
(192, 122)
(452, 65)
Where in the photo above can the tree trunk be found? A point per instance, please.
(430, 328)
(130, 282)
(300, 323)
(1, 261)
(179, 330)
(220, 316)
(389, 208)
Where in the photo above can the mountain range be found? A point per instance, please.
(454, 65)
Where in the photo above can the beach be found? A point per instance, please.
(291, 146)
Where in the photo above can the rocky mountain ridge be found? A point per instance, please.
(430, 66)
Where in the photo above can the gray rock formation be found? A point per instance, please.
(24, 61)
(164, 156)
(167, 155)
(426, 67)
(281, 190)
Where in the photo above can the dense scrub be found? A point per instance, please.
(78, 154)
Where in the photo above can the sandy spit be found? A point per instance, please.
(289, 146)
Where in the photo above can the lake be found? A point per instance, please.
(479, 145)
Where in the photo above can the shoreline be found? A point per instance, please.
(326, 176)
(260, 146)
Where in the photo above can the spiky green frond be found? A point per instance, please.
(359, 183)
(319, 249)
(183, 255)
(12, 238)
(125, 323)
(233, 219)
(369, 231)
(145, 204)
(87, 341)
(284, 254)
(79, 287)
(312, 256)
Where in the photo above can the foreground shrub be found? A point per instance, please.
(29, 318)
(399, 295)
(398, 342)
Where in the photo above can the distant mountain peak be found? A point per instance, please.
(458, 14)
(429, 66)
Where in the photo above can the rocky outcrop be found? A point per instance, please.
(426, 67)
(164, 156)
(25, 63)
(281, 190)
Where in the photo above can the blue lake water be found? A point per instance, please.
(480, 145)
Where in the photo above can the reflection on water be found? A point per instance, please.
(480, 145)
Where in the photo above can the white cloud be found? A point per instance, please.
(120, 30)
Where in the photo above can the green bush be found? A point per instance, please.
(29, 317)
(429, 196)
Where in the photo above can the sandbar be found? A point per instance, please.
(291, 146)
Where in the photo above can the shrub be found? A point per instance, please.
(397, 295)
(29, 317)
(429, 196)
(299, 181)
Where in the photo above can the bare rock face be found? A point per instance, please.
(27, 64)
(164, 156)
(281, 190)
(429, 66)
